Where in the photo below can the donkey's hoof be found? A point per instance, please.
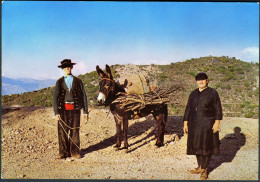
(116, 147)
(125, 150)
(176, 138)
(158, 145)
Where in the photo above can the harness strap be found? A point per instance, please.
(107, 79)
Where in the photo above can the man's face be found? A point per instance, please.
(67, 70)
(202, 83)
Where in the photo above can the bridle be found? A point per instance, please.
(106, 88)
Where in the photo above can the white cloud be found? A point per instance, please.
(80, 68)
(250, 54)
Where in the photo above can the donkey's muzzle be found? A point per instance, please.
(101, 99)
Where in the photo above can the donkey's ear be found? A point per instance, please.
(125, 83)
(109, 74)
(100, 72)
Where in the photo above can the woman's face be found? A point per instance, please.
(202, 83)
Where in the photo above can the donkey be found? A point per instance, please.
(108, 93)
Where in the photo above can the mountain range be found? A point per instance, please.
(21, 85)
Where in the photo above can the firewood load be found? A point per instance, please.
(136, 102)
(136, 84)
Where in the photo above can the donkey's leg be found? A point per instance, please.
(161, 118)
(125, 129)
(118, 121)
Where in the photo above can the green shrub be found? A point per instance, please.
(231, 68)
(192, 73)
(250, 114)
(242, 105)
(221, 69)
(228, 87)
(228, 77)
(205, 69)
(218, 85)
(256, 92)
(246, 84)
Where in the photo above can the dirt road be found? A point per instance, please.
(29, 147)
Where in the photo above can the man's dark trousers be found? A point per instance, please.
(66, 146)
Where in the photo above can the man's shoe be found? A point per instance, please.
(196, 170)
(204, 174)
(76, 156)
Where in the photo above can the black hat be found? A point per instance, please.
(201, 76)
(65, 63)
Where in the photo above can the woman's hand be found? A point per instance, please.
(215, 127)
(185, 127)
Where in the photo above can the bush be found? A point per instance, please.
(250, 114)
(228, 87)
(192, 73)
(245, 104)
(256, 92)
(162, 77)
(228, 77)
(231, 68)
(242, 105)
(221, 69)
(246, 84)
(205, 69)
(239, 70)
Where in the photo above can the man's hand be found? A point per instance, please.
(215, 127)
(57, 117)
(185, 127)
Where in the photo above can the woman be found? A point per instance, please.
(201, 122)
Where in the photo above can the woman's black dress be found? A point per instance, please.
(202, 110)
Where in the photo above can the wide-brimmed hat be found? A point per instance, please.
(65, 63)
(201, 76)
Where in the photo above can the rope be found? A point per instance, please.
(60, 120)
(68, 135)
(69, 126)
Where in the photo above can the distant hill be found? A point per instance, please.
(20, 85)
(236, 81)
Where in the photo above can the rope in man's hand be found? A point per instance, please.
(57, 117)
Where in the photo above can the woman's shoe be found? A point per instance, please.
(204, 174)
(196, 170)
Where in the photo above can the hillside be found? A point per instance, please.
(236, 81)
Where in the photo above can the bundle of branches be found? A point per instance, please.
(131, 102)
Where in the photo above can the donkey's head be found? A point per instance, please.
(108, 87)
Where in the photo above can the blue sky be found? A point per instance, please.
(37, 35)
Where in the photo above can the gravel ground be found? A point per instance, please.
(30, 145)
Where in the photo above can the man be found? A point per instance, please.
(68, 100)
